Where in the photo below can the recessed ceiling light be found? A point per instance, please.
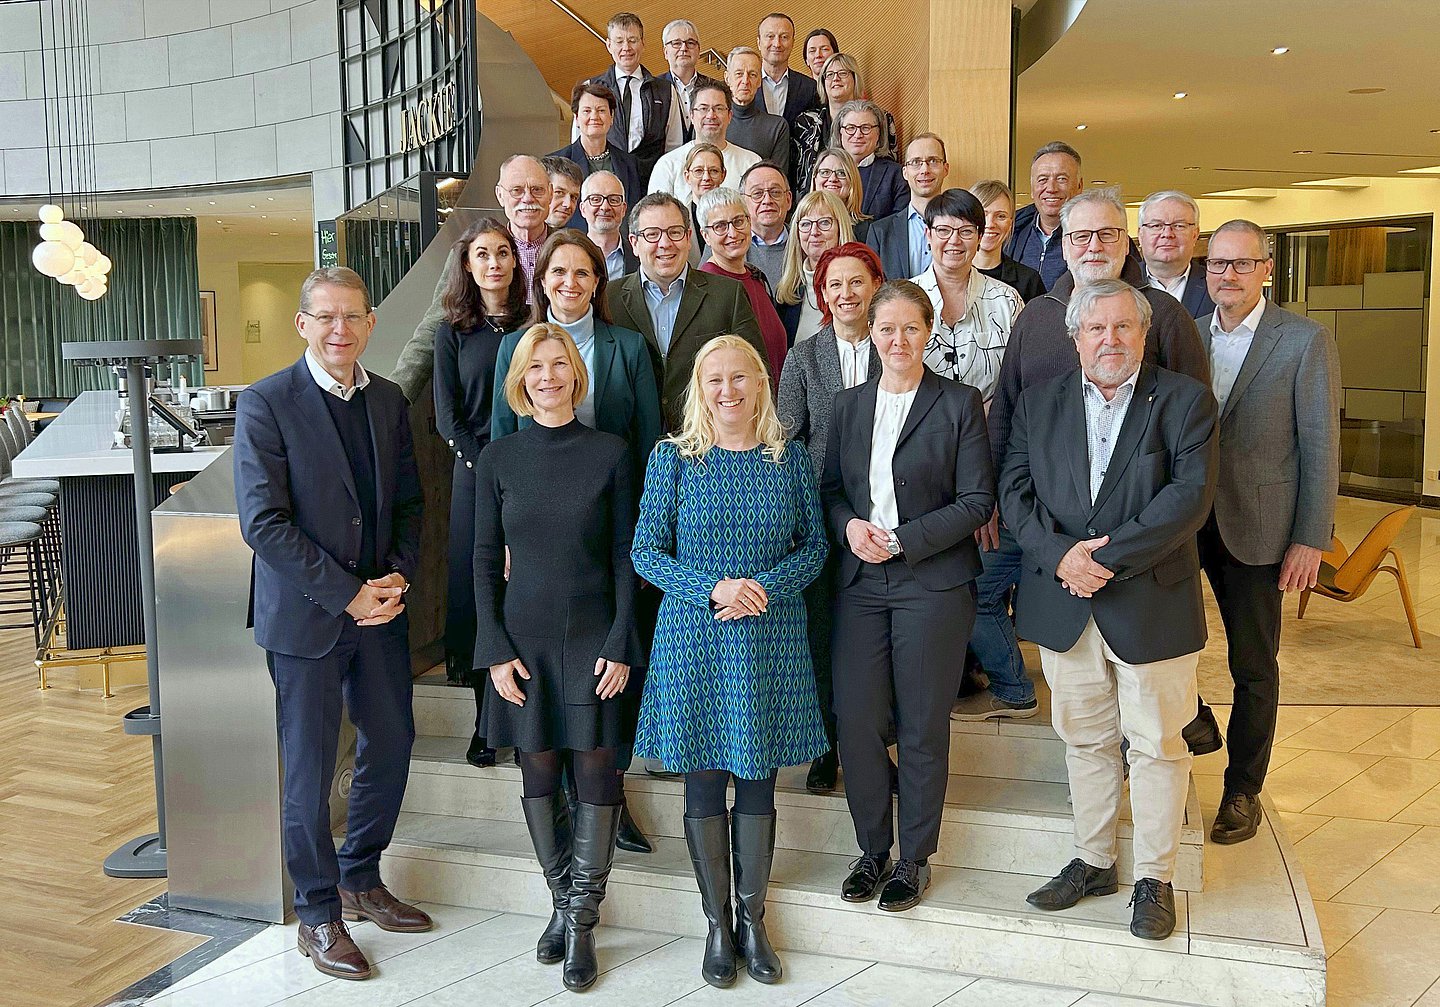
(119, 211)
(151, 205)
(270, 198)
(294, 218)
(1280, 50)
(1366, 90)
(274, 233)
(212, 202)
(219, 221)
(252, 206)
(187, 209)
(1098, 181)
(1192, 167)
(84, 207)
(1302, 152)
(1181, 94)
(1082, 126)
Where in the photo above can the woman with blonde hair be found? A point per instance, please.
(837, 172)
(820, 224)
(730, 529)
(558, 638)
(838, 81)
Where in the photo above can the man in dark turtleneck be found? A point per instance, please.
(751, 126)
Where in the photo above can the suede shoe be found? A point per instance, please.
(1237, 819)
(866, 874)
(1154, 916)
(1202, 734)
(988, 706)
(823, 771)
(905, 886)
(384, 910)
(332, 952)
(1076, 881)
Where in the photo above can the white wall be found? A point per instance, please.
(185, 93)
(230, 265)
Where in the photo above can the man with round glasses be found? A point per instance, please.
(681, 41)
(710, 112)
(602, 204)
(1169, 231)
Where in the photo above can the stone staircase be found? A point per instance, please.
(1247, 930)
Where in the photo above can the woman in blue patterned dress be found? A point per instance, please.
(730, 529)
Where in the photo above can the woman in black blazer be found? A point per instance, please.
(484, 298)
(621, 397)
(907, 482)
(594, 106)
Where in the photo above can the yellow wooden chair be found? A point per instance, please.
(1347, 576)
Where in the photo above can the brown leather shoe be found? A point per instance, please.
(384, 910)
(332, 952)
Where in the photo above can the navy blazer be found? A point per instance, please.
(300, 512)
(1196, 299)
(890, 237)
(627, 402)
(885, 189)
(801, 95)
(626, 168)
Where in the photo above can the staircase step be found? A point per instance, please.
(1254, 930)
(989, 823)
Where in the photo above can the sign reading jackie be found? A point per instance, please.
(431, 119)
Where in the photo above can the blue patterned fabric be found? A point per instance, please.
(738, 696)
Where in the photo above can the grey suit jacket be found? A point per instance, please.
(1280, 440)
(809, 382)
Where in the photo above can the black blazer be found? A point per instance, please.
(655, 96)
(1196, 298)
(801, 95)
(1026, 281)
(890, 237)
(885, 188)
(299, 509)
(1156, 494)
(944, 484)
(626, 168)
(687, 128)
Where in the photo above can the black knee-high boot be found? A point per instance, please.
(709, 843)
(754, 851)
(593, 854)
(548, 819)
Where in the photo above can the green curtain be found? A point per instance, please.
(154, 294)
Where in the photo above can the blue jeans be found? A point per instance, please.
(993, 640)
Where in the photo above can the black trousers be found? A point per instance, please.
(819, 619)
(898, 651)
(1249, 599)
(369, 671)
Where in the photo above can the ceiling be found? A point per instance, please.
(1247, 111)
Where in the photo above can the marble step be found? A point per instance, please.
(1252, 930)
(989, 823)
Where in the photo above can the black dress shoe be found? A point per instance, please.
(1076, 881)
(630, 838)
(821, 778)
(1154, 916)
(480, 755)
(905, 886)
(865, 877)
(1237, 820)
(1203, 733)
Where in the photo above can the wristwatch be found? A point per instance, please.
(893, 546)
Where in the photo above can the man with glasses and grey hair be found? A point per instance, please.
(602, 204)
(1169, 231)
(768, 198)
(1110, 588)
(1035, 241)
(1276, 376)
(1040, 349)
(681, 40)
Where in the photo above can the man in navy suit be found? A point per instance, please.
(1169, 231)
(787, 92)
(330, 501)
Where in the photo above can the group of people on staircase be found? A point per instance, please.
(734, 491)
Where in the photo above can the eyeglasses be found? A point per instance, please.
(1107, 236)
(327, 320)
(518, 192)
(724, 227)
(851, 128)
(916, 163)
(1242, 266)
(775, 194)
(824, 225)
(709, 109)
(836, 74)
(705, 172)
(944, 232)
(683, 43)
(824, 174)
(651, 235)
(1158, 227)
(597, 200)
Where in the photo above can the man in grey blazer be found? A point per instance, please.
(1276, 376)
(1109, 474)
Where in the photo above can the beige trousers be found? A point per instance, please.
(1095, 698)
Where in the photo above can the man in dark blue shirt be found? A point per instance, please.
(1054, 178)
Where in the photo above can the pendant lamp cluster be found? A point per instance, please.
(66, 65)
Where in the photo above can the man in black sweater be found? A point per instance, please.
(750, 125)
(1040, 349)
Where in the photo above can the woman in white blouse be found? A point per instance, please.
(974, 313)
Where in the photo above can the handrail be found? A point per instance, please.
(578, 20)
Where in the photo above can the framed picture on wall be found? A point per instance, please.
(208, 332)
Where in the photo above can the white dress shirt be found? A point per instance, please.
(891, 411)
(1103, 420)
(328, 384)
(669, 173)
(1228, 350)
(1176, 287)
(776, 92)
(636, 127)
(854, 361)
(973, 348)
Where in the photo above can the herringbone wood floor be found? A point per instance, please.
(73, 787)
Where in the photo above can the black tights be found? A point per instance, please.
(596, 781)
(705, 794)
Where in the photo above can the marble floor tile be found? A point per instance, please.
(1407, 878)
(1309, 777)
(806, 977)
(1298, 825)
(1390, 963)
(1340, 922)
(1293, 719)
(1343, 849)
(1000, 993)
(1416, 737)
(1214, 764)
(1431, 997)
(1347, 728)
(273, 940)
(883, 983)
(1382, 791)
(659, 977)
(1424, 811)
